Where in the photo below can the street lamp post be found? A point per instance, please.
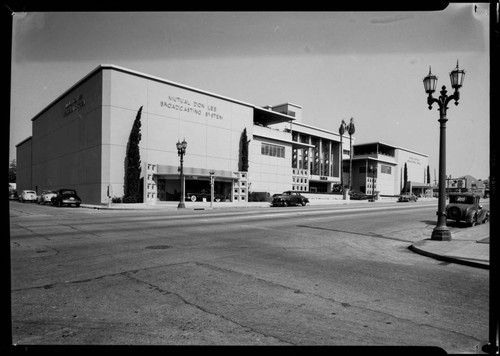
(441, 231)
(350, 130)
(342, 129)
(181, 151)
(212, 179)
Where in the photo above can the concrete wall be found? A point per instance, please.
(266, 173)
(67, 142)
(211, 126)
(23, 165)
(416, 164)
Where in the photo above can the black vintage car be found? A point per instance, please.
(407, 198)
(355, 195)
(204, 194)
(289, 198)
(66, 197)
(466, 207)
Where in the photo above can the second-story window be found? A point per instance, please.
(272, 150)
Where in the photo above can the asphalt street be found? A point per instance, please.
(314, 275)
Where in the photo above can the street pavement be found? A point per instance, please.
(470, 246)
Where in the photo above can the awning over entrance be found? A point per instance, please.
(194, 173)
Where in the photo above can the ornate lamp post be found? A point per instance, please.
(342, 129)
(212, 180)
(350, 129)
(441, 231)
(181, 151)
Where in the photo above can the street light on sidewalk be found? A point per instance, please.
(350, 130)
(441, 231)
(342, 130)
(212, 179)
(181, 151)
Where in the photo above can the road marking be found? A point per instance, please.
(326, 214)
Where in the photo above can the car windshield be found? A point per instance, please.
(286, 193)
(461, 199)
(29, 192)
(67, 191)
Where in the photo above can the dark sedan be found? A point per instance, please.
(289, 198)
(66, 197)
(205, 195)
(407, 198)
(466, 207)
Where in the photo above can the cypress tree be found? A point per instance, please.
(405, 177)
(133, 163)
(243, 162)
(428, 175)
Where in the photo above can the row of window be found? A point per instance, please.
(299, 180)
(272, 150)
(383, 169)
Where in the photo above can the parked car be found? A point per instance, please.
(66, 196)
(407, 197)
(46, 196)
(207, 195)
(355, 195)
(27, 195)
(466, 207)
(13, 195)
(289, 198)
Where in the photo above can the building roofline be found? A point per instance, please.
(24, 141)
(317, 128)
(387, 144)
(287, 103)
(286, 118)
(102, 67)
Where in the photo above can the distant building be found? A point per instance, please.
(387, 162)
(465, 183)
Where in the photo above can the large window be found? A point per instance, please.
(272, 150)
(385, 169)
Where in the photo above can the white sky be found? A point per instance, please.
(336, 65)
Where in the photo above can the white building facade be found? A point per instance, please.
(379, 167)
(80, 141)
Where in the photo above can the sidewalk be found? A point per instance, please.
(224, 205)
(468, 246)
(216, 205)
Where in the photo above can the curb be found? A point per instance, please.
(415, 249)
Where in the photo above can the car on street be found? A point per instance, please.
(355, 195)
(66, 197)
(289, 198)
(13, 195)
(46, 197)
(407, 198)
(466, 207)
(207, 195)
(27, 195)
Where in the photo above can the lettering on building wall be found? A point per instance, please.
(414, 160)
(193, 107)
(74, 105)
